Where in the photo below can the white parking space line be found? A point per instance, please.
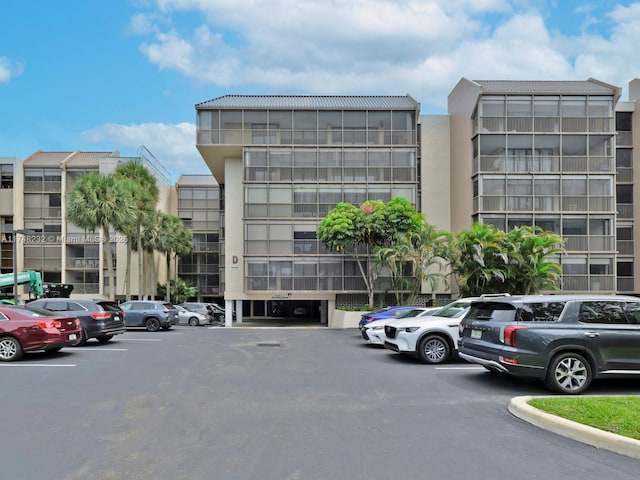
(139, 340)
(39, 365)
(85, 349)
(469, 367)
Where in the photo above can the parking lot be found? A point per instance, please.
(275, 403)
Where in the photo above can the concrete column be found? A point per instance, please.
(228, 313)
(239, 311)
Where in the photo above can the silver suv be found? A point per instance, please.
(564, 340)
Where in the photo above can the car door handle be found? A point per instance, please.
(591, 334)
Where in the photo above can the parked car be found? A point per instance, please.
(192, 318)
(99, 319)
(203, 308)
(27, 330)
(151, 314)
(564, 340)
(432, 338)
(373, 332)
(386, 312)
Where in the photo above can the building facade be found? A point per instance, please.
(282, 162)
(32, 201)
(560, 155)
(545, 153)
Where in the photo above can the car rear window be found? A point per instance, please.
(494, 311)
(508, 312)
(109, 306)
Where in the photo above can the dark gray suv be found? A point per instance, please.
(564, 340)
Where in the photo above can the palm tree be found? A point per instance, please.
(100, 201)
(145, 192)
(480, 259)
(416, 258)
(172, 238)
(533, 267)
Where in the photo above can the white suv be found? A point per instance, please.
(432, 338)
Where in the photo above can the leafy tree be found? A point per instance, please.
(533, 267)
(100, 201)
(488, 260)
(415, 258)
(145, 193)
(180, 290)
(359, 230)
(480, 260)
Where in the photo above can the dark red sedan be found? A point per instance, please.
(23, 330)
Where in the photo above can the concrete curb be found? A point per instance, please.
(519, 406)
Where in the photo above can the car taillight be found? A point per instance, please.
(101, 315)
(50, 324)
(508, 334)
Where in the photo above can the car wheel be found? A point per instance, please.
(104, 338)
(569, 373)
(10, 349)
(194, 322)
(152, 324)
(433, 349)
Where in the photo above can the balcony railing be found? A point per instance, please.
(306, 137)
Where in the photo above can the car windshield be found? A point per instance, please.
(453, 310)
(411, 313)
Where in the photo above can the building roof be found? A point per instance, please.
(319, 102)
(547, 87)
(190, 180)
(57, 159)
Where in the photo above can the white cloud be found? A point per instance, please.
(9, 69)
(419, 47)
(172, 145)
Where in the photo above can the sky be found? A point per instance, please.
(118, 75)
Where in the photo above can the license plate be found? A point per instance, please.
(73, 336)
(477, 334)
(116, 318)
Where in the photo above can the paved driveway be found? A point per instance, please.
(273, 404)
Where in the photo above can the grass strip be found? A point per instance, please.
(615, 414)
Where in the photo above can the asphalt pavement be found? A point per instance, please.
(203, 403)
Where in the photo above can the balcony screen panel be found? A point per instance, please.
(546, 106)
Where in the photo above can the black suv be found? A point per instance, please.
(99, 319)
(565, 340)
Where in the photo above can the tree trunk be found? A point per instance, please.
(141, 289)
(127, 275)
(110, 280)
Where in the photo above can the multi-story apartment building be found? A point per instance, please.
(200, 209)
(557, 154)
(32, 200)
(540, 153)
(282, 162)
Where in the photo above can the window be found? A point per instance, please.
(602, 312)
(541, 312)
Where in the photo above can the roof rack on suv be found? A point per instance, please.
(494, 295)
